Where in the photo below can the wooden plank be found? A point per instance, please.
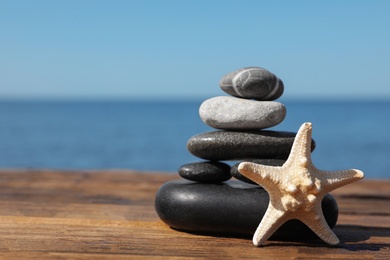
(110, 215)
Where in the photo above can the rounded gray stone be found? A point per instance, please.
(227, 112)
(271, 162)
(231, 208)
(207, 172)
(235, 145)
(252, 83)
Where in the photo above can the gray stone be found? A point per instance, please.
(271, 162)
(234, 145)
(231, 208)
(207, 172)
(227, 112)
(253, 83)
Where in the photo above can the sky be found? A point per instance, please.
(180, 49)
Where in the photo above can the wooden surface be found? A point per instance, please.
(110, 215)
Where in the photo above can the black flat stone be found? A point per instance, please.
(238, 145)
(271, 162)
(230, 208)
(208, 172)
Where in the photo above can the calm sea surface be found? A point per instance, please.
(152, 135)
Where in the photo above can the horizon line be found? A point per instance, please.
(186, 99)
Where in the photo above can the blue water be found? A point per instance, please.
(152, 135)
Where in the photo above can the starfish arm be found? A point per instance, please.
(265, 176)
(315, 220)
(336, 179)
(271, 221)
(301, 147)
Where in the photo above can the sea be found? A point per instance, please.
(151, 135)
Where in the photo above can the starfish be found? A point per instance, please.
(296, 189)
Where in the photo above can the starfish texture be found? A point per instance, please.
(296, 189)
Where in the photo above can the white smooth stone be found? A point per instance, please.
(225, 112)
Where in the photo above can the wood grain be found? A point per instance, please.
(110, 215)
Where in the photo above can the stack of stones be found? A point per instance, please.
(204, 200)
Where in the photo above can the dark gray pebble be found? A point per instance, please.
(235, 145)
(230, 208)
(236, 174)
(208, 172)
(252, 83)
